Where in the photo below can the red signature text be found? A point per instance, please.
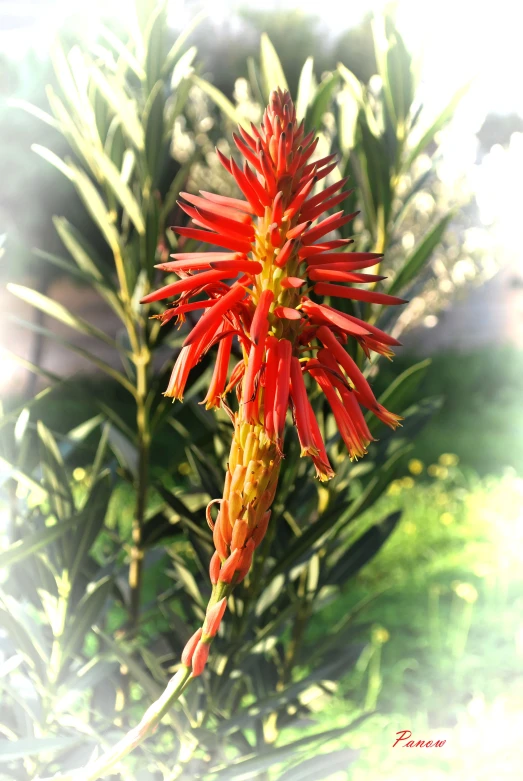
(403, 738)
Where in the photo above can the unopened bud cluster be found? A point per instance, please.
(250, 485)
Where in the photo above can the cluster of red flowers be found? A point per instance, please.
(276, 251)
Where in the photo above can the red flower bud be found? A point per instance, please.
(200, 656)
(214, 568)
(214, 617)
(229, 567)
(188, 651)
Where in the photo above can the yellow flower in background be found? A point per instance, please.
(437, 471)
(394, 488)
(465, 591)
(407, 482)
(448, 459)
(415, 466)
(446, 519)
(380, 635)
(79, 474)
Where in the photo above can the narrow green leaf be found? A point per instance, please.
(136, 670)
(255, 764)
(321, 102)
(28, 747)
(305, 89)
(321, 766)
(178, 45)
(122, 51)
(105, 367)
(56, 161)
(183, 68)
(85, 257)
(96, 207)
(86, 613)
(122, 106)
(155, 41)
(189, 518)
(184, 577)
(90, 522)
(59, 312)
(32, 543)
(438, 124)
(97, 283)
(34, 110)
(154, 129)
(401, 391)
(253, 72)
(124, 449)
(22, 636)
(56, 480)
(122, 192)
(414, 264)
(223, 103)
(272, 74)
(374, 487)
(362, 551)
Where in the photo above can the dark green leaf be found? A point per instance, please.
(86, 613)
(363, 550)
(56, 480)
(154, 129)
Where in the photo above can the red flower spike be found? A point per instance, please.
(274, 245)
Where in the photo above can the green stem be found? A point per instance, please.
(150, 720)
(144, 442)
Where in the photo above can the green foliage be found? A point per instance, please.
(106, 565)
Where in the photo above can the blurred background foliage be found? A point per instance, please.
(389, 598)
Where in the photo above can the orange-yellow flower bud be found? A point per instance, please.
(246, 560)
(239, 533)
(261, 528)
